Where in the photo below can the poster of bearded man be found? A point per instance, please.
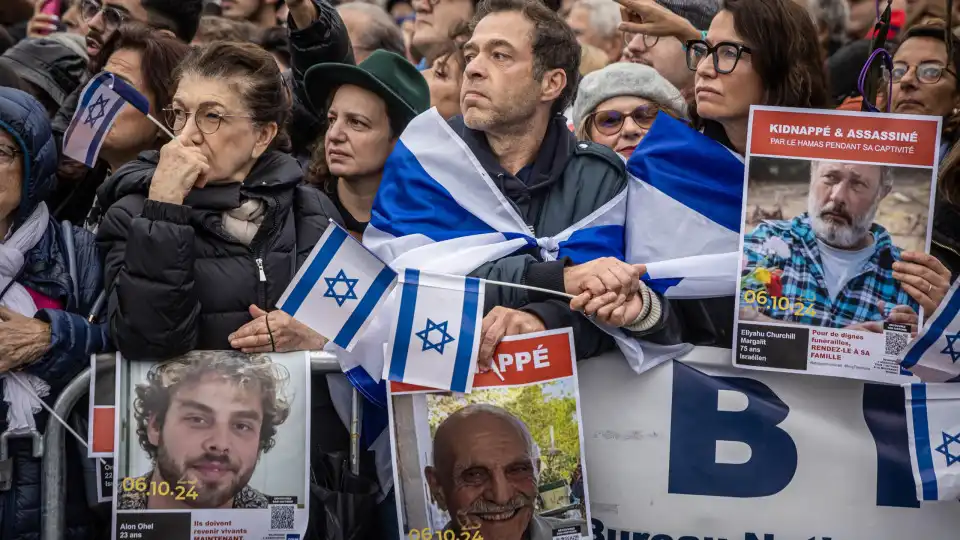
(211, 445)
(836, 274)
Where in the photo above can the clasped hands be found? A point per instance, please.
(605, 290)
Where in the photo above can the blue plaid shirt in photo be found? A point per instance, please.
(792, 247)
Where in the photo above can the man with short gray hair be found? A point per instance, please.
(370, 28)
(596, 22)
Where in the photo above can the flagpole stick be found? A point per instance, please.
(162, 127)
(529, 288)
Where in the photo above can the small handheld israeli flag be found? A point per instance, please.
(935, 355)
(100, 103)
(933, 425)
(338, 287)
(435, 336)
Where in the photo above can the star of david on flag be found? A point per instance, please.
(934, 356)
(100, 102)
(349, 284)
(933, 428)
(444, 337)
(434, 339)
(338, 288)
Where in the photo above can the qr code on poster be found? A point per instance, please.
(895, 343)
(281, 517)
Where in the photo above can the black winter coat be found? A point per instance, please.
(178, 282)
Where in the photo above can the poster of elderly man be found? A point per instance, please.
(211, 445)
(836, 273)
(504, 462)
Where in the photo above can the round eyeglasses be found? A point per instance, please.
(207, 119)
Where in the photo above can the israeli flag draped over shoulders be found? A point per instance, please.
(935, 355)
(100, 102)
(933, 424)
(685, 205)
(437, 210)
(338, 287)
(436, 331)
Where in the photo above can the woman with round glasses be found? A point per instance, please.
(925, 82)
(616, 105)
(756, 52)
(202, 238)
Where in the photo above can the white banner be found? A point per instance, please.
(698, 450)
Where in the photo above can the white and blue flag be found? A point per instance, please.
(101, 101)
(935, 355)
(436, 331)
(933, 425)
(684, 208)
(338, 288)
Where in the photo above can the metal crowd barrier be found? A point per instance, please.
(53, 488)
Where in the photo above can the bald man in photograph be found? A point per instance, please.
(485, 473)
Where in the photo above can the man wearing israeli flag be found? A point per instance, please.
(507, 194)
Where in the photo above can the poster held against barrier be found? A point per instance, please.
(526, 428)
(832, 200)
(104, 468)
(100, 425)
(211, 445)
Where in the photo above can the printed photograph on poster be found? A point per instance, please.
(104, 468)
(505, 461)
(211, 445)
(103, 406)
(836, 225)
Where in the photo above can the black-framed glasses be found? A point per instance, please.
(8, 154)
(207, 119)
(648, 41)
(726, 54)
(926, 72)
(610, 123)
(112, 17)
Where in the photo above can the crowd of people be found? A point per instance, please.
(285, 113)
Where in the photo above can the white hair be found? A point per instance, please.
(604, 15)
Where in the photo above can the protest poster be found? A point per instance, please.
(696, 449)
(103, 405)
(832, 200)
(211, 445)
(522, 433)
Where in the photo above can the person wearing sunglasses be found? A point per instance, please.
(925, 82)
(103, 17)
(756, 52)
(616, 105)
(203, 237)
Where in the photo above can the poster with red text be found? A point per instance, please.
(505, 461)
(837, 217)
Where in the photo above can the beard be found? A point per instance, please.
(836, 234)
(209, 494)
(509, 111)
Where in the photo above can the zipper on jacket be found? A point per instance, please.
(263, 275)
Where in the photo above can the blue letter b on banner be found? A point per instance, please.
(697, 425)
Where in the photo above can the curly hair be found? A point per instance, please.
(254, 371)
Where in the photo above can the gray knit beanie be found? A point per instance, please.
(626, 79)
(700, 13)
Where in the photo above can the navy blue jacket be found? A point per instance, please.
(46, 271)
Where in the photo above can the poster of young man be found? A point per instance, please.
(836, 273)
(504, 462)
(211, 445)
